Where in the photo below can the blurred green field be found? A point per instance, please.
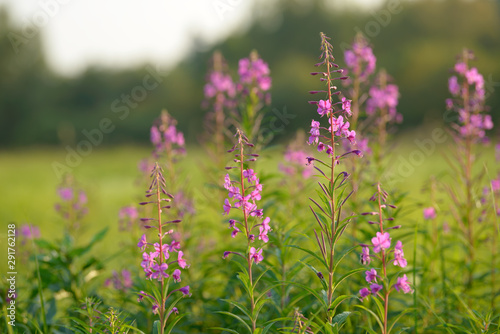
(109, 176)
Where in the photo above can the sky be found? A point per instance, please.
(124, 33)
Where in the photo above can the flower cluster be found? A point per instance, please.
(128, 216)
(121, 281)
(254, 71)
(243, 194)
(220, 87)
(165, 136)
(295, 163)
(360, 59)
(159, 259)
(467, 88)
(429, 213)
(335, 112)
(384, 97)
(29, 232)
(381, 246)
(73, 203)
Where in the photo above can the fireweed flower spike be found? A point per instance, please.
(326, 134)
(73, 205)
(254, 87)
(160, 258)
(386, 253)
(244, 193)
(466, 86)
(360, 62)
(220, 99)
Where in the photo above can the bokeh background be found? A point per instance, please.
(64, 62)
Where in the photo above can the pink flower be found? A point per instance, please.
(227, 207)
(365, 292)
(429, 213)
(381, 241)
(365, 256)
(143, 242)
(375, 288)
(399, 259)
(227, 182)
(177, 275)
(180, 260)
(324, 107)
(256, 255)
(371, 275)
(402, 285)
(453, 85)
(250, 175)
(66, 194)
(160, 271)
(346, 105)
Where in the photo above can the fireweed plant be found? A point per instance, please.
(333, 192)
(380, 283)
(72, 207)
(220, 100)
(254, 94)
(466, 85)
(244, 192)
(161, 261)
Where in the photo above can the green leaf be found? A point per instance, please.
(156, 327)
(82, 250)
(338, 300)
(310, 253)
(237, 318)
(173, 323)
(399, 317)
(226, 330)
(350, 273)
(239, 306)
(372, 313)
(341, 318)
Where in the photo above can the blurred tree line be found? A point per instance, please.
(416, 41)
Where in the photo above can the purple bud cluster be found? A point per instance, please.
(381, 245)
(467, 88)
(165, 136)
(243, 195)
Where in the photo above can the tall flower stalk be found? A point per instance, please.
(380, 283)
(244, 191)
(467, 89)
(220, 100)
(161, 258)
(332, 224)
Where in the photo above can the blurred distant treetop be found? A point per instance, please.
(417, 44)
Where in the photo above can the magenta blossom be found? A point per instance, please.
(381, 241)
(399, 259)
(365, 292)
(429, 213)
(375, 288)
(402, 285)
(371, 275)
(256, 255)
(324, 107)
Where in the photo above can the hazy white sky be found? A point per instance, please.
(126, 32)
